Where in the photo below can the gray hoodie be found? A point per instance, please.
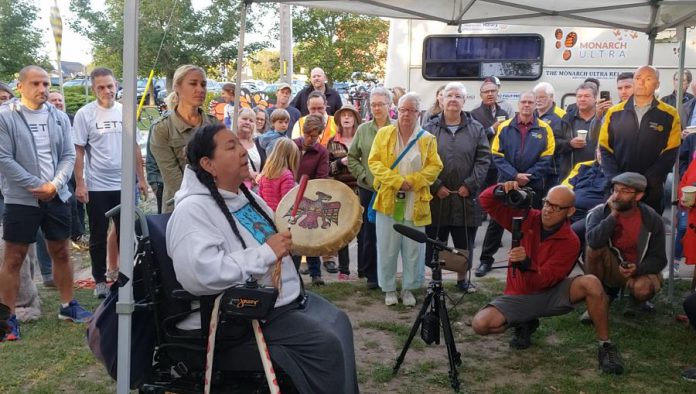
(19, 163)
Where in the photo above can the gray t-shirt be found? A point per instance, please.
(38, 124)
(99, 131)
(640, 111)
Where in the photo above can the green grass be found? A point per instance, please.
(52, 355)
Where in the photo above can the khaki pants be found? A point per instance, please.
(604, 264)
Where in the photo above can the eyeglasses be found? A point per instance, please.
(377, 105)
(405, 111)
(489, 91)
(553, 207)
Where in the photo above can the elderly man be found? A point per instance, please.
(463, 148)
(549, 112)
(522, 151)
(641, 135)
(626, 240)
(318, 83)
(36, 159)
(671, 99)
(283, 95)
(490, 115)
(358, 154)
(537, 283)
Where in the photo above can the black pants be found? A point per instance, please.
(99, 203)
(690, 309)
(462, 237)
(77, 221)
(367, 242)
(494, 233)
(158, 188)
(344, 261)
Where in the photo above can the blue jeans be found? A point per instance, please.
(682, 220)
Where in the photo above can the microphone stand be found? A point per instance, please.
(432, 316)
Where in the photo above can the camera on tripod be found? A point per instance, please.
(516, 198)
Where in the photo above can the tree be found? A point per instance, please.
(265, 65)
(207, 38)
(20, 43)
(339, 43)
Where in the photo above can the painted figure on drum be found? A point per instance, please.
(315, 209)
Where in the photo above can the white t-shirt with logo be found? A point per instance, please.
(38, 124)
(99, 131)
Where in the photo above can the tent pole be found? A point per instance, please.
(240, 65)
(651, 53)
(124, 307)
(681, 33)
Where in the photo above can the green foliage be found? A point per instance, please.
(21, 42)
(340, 43)
(75, 98)
(265, 65)
(207, 38)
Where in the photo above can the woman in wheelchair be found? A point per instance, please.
(221, 233)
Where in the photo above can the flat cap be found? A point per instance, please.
(633, 180)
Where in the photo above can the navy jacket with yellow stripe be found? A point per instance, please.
(650, 149)
(534, 156)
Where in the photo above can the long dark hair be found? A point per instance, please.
(201, 145)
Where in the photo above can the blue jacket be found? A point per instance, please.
(534, 157)
(19, 163)
(587, 180)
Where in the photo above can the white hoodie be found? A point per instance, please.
(208, 258)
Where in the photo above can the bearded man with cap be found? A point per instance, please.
(626, 240)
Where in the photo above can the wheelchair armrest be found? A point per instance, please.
(183, 295)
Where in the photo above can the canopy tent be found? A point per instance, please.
(648, 16)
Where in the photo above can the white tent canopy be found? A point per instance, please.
(647, 16)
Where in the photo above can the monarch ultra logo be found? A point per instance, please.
(574, 46)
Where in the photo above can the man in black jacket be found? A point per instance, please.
(626, 240)
(318, 82)
(671, 99)
(465, 154)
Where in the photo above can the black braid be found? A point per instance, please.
(207, 180)
(256, 205)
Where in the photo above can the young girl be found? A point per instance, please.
(278, 176)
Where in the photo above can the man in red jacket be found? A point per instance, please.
(537, 282)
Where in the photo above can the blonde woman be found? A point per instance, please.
(169, 135)
(246, 131)
(280, 172)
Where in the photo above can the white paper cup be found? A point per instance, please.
(691, 129)
(582, 134)
(688, 196)
(502, 119)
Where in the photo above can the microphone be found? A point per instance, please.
(421, 237)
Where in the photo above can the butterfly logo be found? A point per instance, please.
(568, 43)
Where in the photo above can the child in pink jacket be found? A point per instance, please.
(278, 175)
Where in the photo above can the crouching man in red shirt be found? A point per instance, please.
(537, 283)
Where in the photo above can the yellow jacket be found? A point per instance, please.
(387, 182)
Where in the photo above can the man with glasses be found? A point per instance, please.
(626, 240)
(359, 152)
(522, 151)
(537, 283)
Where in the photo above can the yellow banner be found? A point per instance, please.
(57, 27)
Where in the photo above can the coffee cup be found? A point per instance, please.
(582, 134)
(688, 196)
(500, 118)
(691, 129)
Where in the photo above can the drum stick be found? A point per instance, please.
(295, 206)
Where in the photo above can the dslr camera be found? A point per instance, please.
(516, 198)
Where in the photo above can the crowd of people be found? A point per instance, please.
(581, 185)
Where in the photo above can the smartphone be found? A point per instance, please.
(605, 95)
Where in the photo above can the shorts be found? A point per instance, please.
(604, 264)
(22, 222)
(525, 307)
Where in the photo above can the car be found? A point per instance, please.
(250, 86)
(158, 84)
(77, 82)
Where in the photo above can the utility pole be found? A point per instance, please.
(286, 43)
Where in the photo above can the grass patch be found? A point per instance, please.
(400, 331)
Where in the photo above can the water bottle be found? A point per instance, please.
(399, 206)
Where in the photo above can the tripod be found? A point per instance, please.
(431, 316)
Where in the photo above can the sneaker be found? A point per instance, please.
(610, 360)
(585, 318)
(689, 374)
(466, 286)
(523, 334)
(331, 267)
(101, 290)
(345, 277)
(4, 320)
(390, 298)
(407, 298)
(317, 281)
(75, 313)
(112, 276)
(483, 269)
(81, 242)
(13, 334)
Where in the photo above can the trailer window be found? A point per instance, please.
(474, 57)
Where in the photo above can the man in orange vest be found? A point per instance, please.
(316, 103)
